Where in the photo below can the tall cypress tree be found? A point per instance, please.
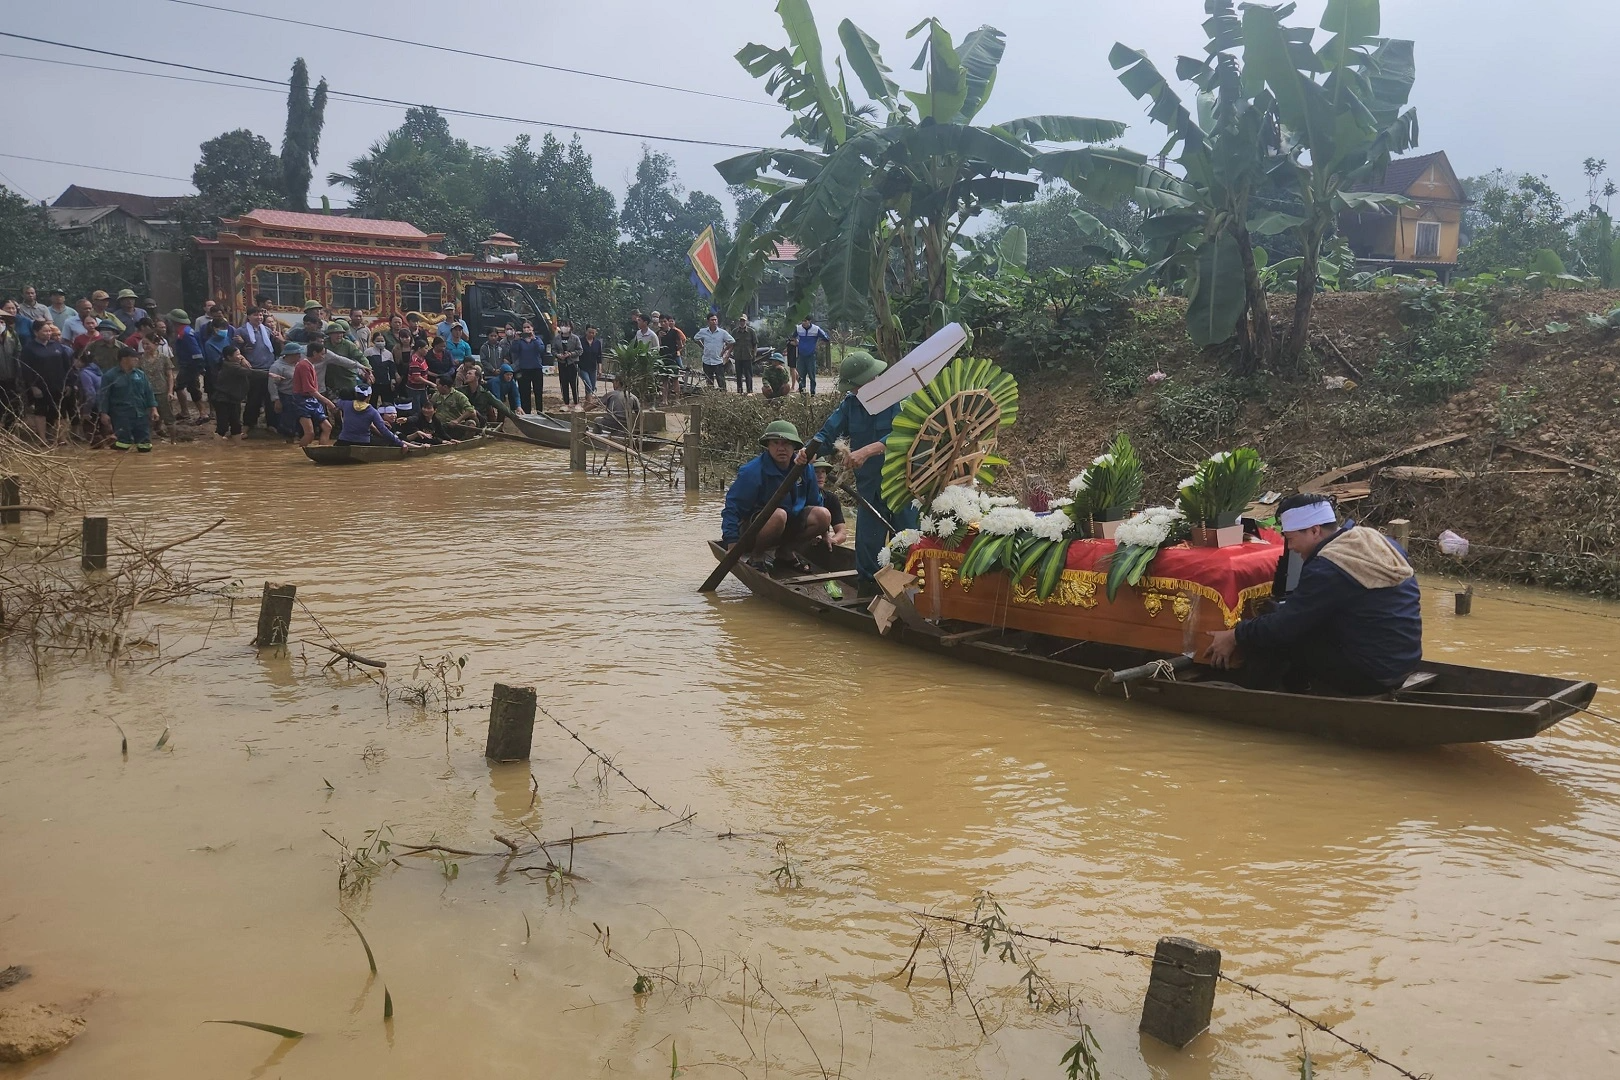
(301, 143)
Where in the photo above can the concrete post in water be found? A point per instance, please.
(10, 495)
(1400, 530)
(93, 544)
(1465, 601)
(275, 614)
(1181, 991)
(576, 442)
(511, 723)
(692, 445)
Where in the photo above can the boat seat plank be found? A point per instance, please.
(831, 575)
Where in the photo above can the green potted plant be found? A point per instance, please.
(1106, 490)
(1214, 497)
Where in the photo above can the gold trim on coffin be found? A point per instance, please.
(1078, 588)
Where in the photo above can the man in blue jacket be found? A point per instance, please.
(866, 433)
(1352, 626)
(797, 521)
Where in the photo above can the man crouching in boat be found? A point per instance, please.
(1353, 624)
(866, 432)
(799, 520)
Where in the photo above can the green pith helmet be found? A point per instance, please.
(781, 429)
(127, 294)
(859, 368)
(311, 305)
(337, 326)
(178, 315)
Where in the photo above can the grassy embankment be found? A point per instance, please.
(1489, 367)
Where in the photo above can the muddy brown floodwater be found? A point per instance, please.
(1457, 910)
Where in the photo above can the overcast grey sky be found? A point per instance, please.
(1527, 85)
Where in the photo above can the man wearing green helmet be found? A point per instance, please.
(798, 520)
(865, 432)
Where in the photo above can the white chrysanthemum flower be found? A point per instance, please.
(1001, 500)
(1006, 520)
(1150, 528)
(1080, 483)
(906, 539)
(1105, 459)
(1187, 482)
(1051, 526)
(916, 504)
(925, 525)
(1058, 504)
(1219, 457)
(884, 558)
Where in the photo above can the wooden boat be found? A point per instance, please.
(542, 428)
(1440, 704)
(361, 455)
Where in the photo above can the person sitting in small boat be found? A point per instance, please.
(620, 408)
(866, 432)
(360, 420)
(798, 521)
(425, 425)
(1352, 626)
(505, 388)
(452, 404)
(837, 531)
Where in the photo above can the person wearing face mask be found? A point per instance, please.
(528, 356)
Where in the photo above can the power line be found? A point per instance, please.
(373, 99)
(305, 25)
(97, 168)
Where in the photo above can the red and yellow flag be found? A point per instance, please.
(705, 260)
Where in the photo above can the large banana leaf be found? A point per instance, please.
(867, 63)
(1219, 295)
(979, 57)
(1063, 129)
(800, 25)
(947, 85)
(846, 275)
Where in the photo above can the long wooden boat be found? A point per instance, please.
(361, 455)
(1441, 703)
(543, 429)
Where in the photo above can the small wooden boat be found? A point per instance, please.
(1440, 703)
(542, 428)
(361, 455)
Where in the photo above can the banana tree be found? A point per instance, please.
(1270, 150)
(877, 198)
(1337, 133)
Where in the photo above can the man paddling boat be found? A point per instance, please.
(1353, 624)
(797, 521)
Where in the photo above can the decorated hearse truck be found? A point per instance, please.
(381, 268)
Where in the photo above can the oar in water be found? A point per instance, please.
(1145, 671)
(745, 542)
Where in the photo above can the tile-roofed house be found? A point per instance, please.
(1422, 236)
(155, 210)
(98, 220)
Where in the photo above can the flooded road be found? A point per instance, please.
(1456, 910)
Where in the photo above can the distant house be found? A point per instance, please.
(98, 221)
(1419, 237)
(1423, 236)
(776, 285)
(144, 217)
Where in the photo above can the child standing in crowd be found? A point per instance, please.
(418, 377)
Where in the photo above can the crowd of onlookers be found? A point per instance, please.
(115, 370)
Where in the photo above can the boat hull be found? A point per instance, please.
(366, 455)
(542, 429)
(1460, 705)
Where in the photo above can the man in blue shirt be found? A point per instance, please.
(1352, 626)
(806, 340)
(191, 369)
(797, 521)
(866, 433)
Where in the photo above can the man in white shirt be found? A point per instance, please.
(717, 345)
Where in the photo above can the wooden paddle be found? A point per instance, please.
(745, 542)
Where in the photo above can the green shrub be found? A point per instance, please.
(1123, 367)
(1198, 413)
(1447, 343)
(1055, 319)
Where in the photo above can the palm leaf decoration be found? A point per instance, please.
(945, 432)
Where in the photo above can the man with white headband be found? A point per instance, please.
(1353, 624)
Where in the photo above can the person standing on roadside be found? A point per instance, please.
(30, 310)
(10, 367)
(717, 344)
(230, 390)
(746, 342)
(590, 363)
(191, 367)
(806, 344)
(565, 349)
(645, 333)
(529, 359)
(44, 367)
(60, 313)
